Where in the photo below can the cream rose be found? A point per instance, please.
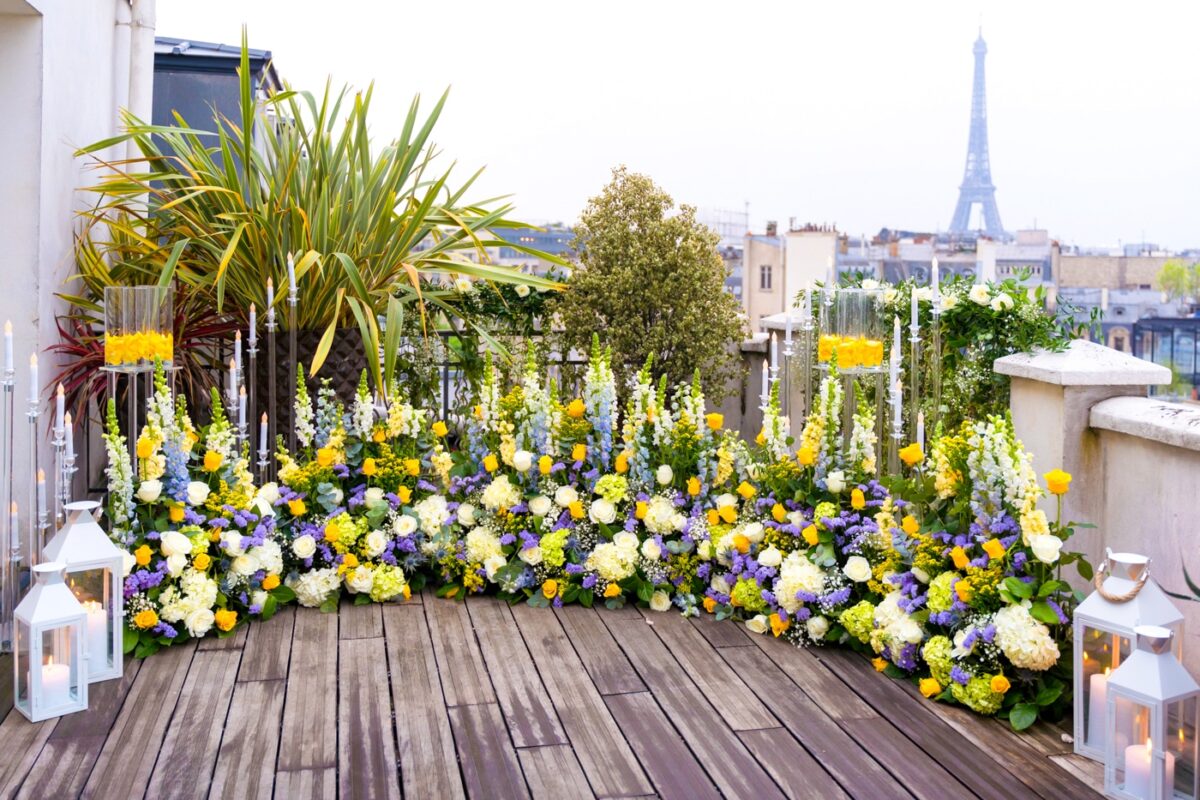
(771, 557)
(626, 540)
(360, 579)
(1002, 302)
(373, 497)
(651, 550)
(817, 627)
(199, 621)
(269, 492)
(660, 601)
(949, 301)
(304, 546)
(149, 491)
(835, 481)
(197, 493)
(374, 543)
(602, 512)
(492, 564)
(244, 565)
(857, 569)
(664, 475)
(1046, 547)
(531, 555)
(175, 543)
(757, 623)
(565, 496)
(404, 525)
(466, 514)
(754, 532)
(522, 460)
(540, 506)
(979, 294)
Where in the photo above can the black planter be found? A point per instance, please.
(343, 366)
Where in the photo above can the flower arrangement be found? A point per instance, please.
(948, 574)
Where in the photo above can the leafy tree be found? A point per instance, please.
(1179, 280)
(651, 281)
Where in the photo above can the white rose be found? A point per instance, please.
(492, 564)
(199, 621)
(264, 508)
(754, 532)
(602, 511)
(540, 506)
(771, 557)
(269, 492)
(197, 493)
(466, 514)
(706, 550)
(817, 626)
(889, 297)
(258, 598)
(857, 569)
(835, 481)
(949, 301)
(404, 525)
(1002, 302)
(921, 575)
(522, 290)
(870, 284)
(796, 518)
(174, 542)
(304, 546)
(374, 543)
(531, 556)
(660, 601)
(373, 497)
(176, 563)
(338, 496)
(651, 551)
(128, 563)
(463, 285)
(719, 585)
(1045, 547)
(244, 565)
(231, 543)
(565, 496)
(664, 475)
(149, 491)
(979, 294)
(360, 579)
(626, 540)
(522, 460)
(757, 623)
(726, 499)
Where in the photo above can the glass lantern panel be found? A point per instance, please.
(60, 666)
(1132, 749)
(93, 589)
(1103, 652)
(22, 655)
(1181, 748)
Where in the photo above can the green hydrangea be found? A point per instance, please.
(941, 592)
(552, 547)
(859, 620)
(937, 655)
(823, 511)
(977, 695)
(748, 595)
(388, 582)
(613, 488)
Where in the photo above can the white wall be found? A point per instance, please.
(807, 260)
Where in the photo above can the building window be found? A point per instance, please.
(764, 277)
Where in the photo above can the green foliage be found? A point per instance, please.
(1179, 280)
(652, 280)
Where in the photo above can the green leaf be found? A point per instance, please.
(1022, 716)
(1018, 588)
(1049, 693)
(270, 606)
(1084, 568)
(586, 597)
(330, 606)
(130, 640)
(1042, 612)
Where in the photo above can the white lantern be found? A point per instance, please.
(94, 573)
(1150, 748)
(1103, 628)
(49, 666)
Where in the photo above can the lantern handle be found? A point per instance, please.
(1098, 581)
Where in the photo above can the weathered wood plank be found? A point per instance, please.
(62, 768)
(23, 742)
(608, 667)
(721, 633)
(425, 743)
(802, 667)
(311, 784)
(268, 648)
(104, 703)
(489, 763)
(918, 771)
(606, 758)
(919, 725)
(464, 677)
(523, 700)
(553, 772)
(309, 736)
(127, 759)
(672, 768)
(698, 722)
(189, 750)
(832, 747)
(1090, 773)
(235, 642)
(246, 760)
(736, 704)
(796, 772)
(367, 748)
(360, 622)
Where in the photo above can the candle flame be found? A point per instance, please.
(232, 365)
(67, 419)
(270, 284)
(242, 391)
(252, 308)
(60, 390)
(238, 335)
(14, 506)
(8, 327)
(1107, 670)
(1149, 745)
(41, 476)
(1181, 735)
(33, 360)
(50, 661)
(264, 418)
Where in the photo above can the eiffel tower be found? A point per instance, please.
(977, 184)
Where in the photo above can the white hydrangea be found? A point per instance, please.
(500, 493)
(433, 513)
(269, 556)
(312, 588)
(612, 562)
(797, 574)
(662, 517)
(482, 544)
(1023, 640)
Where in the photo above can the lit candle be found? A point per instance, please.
(270, 298)
(262, 436)
(291, 277)
(97, 633)
(253, 327)
(237, 351)
(12, 517)
(242, 407)
(1097, 703)
(56, 684)
(766, 383)
(1139, 759)
(921, 430)
(34, 394)
(232, 381)
(60, 403)
(41, 491)
(8, 348)
(70, 435)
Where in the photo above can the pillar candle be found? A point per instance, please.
(291, 277)
(34, 394)
(8, 347)
(242, 407)
(60, 402)
(788, 337)
(1138, 761)
(897, 401)
(262, 436)
(69, 433)
(97, 633)
(934, 279)
(774, 352)
(232, 381)
(766, 383)
(56, 683)
(270, 298)
(41, 491)
(1097, 703)
(237, 351)
(921, 430)
(253, 327)
(916, 309)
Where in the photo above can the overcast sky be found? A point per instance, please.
(854, 113)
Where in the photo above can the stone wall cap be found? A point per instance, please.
(1175, 424)
(757, 343)
(1084, 363)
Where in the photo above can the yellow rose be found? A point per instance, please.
(710, 605)
(778, 513)
(368, 468)
(490, 463)
(575, 408)
(145, 449)
(912, 454)
(296, 507)
(576, 508)
(1057, 481)
(930, 687)
(810, 535)
(404, 493)
(999, 684)
(478, 412)
(880, 664)
(778, 624)
(640, 509)
(349, 561)
(746, 490)
(713, 517)
(225, 619)
(439, 429)
(325, 456)
(714, 421)
(693, 486)
(910, 525)
(145, 619)
(622, 465)
(379, 435)
(858, 501)
(412, 466)
(963, 590)
(406, 591)
(270, 582)
(728, 514)
(545, 464)
(579, 452)
(201, 562)
(741, 543)
(993, 548)
(959, 557)
(212, 461)
(550, 589)
(805, 456)
(612, 590)
(332, 535)
(175, 513)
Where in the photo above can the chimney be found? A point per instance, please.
(772, 227)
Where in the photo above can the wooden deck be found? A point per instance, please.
(444, 699)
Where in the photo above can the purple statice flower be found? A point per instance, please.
(959, 676)
(589, 581)
(165, 629)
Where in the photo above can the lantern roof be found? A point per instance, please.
(49, 600)
(81, 540)
(1151, 606)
